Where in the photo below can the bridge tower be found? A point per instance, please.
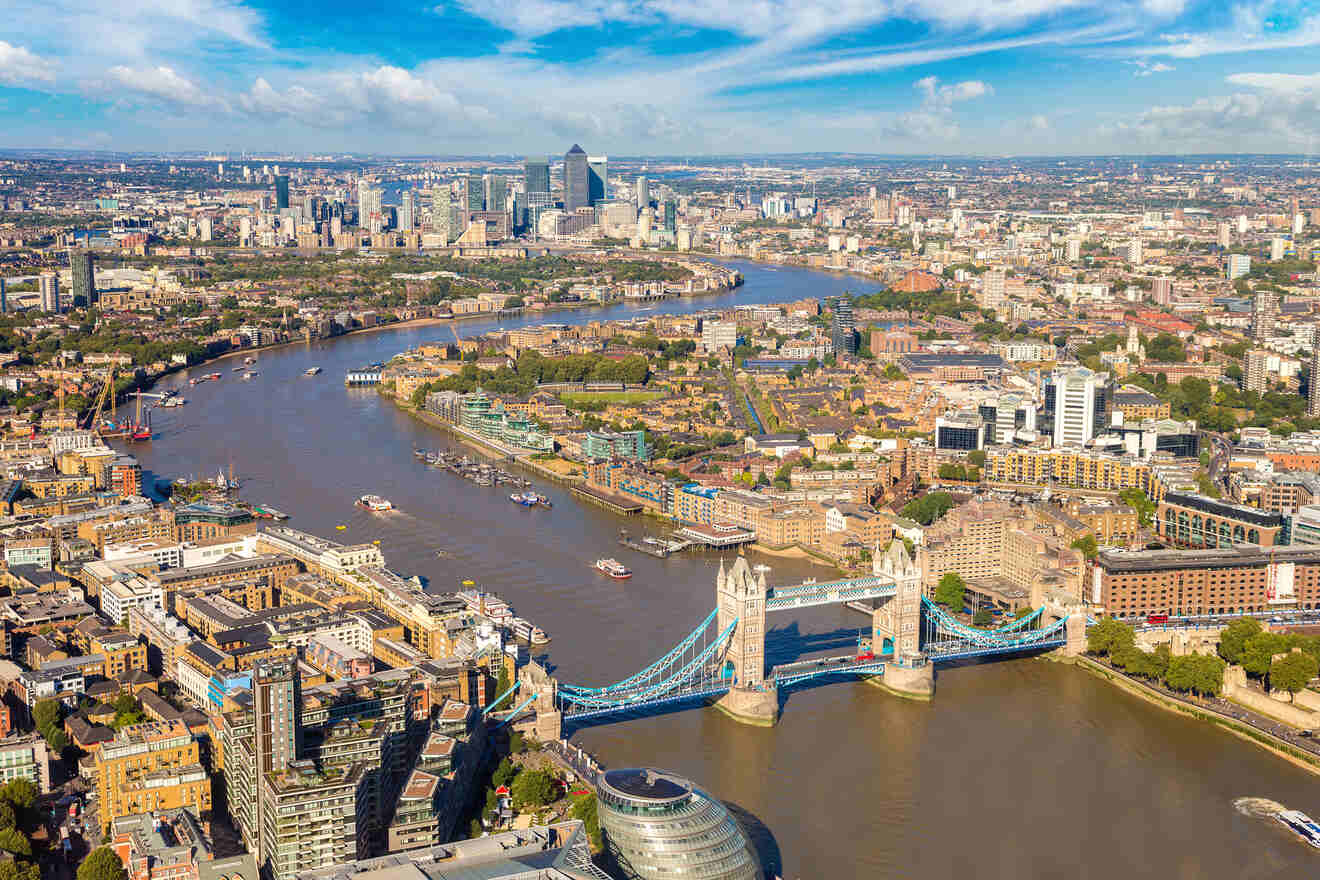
(538, 683)
(896, 626)
(1074, 628)
(740, 596)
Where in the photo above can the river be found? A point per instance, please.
(1018, 769)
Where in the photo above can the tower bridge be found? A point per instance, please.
(723, 658)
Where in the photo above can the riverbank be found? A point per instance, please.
(1236, 727)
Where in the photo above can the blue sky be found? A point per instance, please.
(663, 76)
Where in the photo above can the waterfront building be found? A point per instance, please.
(1235, 580)
(630, 445)
(481, 416)
(658, 826)
(576, 184)
(1189, 520)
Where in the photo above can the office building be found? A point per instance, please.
(82, 263)
(536, 176)
(1076, 401)
(1264, 315)
(643, 192)
(658, 826)
(1188, 520)
(671, 219)
(49, 288)
(495, 190)
(598, 179)
(474, 193)
(1255, 375)
(281, 192)
(961, 431)
(25, 757)
(843, 328)
(577, 192)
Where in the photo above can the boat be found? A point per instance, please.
(251, 374)
(614, 568)
(525, 630)
(237, 370)
(249, 360)
(173, 401)
(375, 503)
(312, 371)
(213, 376)
(488, 605)
(1302, 825)
(525, 499)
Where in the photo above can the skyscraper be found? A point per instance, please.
(442, 212)
(49, 285)
(4, 299)
(1076, 399)
(1312, 395)
(577, 193)
(643, 192)
(407, 210)
(475, 193)
(84, 275)
(1264, 313)
(536, 175)
(496, 192)
(281, 192)
(597, 179)
(276, 731)
(1256, 375)
(671, 218)
(843, 328)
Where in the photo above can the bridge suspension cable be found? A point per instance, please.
(648, 672)
(949, 626)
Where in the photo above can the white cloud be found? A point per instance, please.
(934, 120)
(1248, 122)
(1147, 68)
(21, 66)
(1251, 27)
(160, 82)
(1277, 82)
(1038, 123)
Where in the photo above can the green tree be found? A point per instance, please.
(8, 818)
(1087, 544)
(1109, 636)
(504, 773)
(502, 684)
(15, 870)
(951, 591)
(1233, 639)
(1293, 671)
(982, 617)
(535, 788)
(1259, 650)
(586, 810)
(928, 508)
(1141, 503)
(20, 792)
(13, 841)
(102, 864)
(977, 457)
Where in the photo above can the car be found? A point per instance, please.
(1305, 733)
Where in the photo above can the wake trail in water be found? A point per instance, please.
(1258, 808)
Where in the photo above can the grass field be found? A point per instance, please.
(610, 396)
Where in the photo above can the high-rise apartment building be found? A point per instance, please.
(1238, 266)
(407, 210)
(281, 191)
(597, 179)
(49, 287)
(1225, 233)
(1264, 314)
(1255, 374)
(1313, 393)
(84, 275)
(577, 192)
(992, 288)
(843, 327)
(643, 192)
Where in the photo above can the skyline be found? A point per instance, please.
(650, 77)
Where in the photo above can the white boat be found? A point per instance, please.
(375, 503)
(312, 371)
(614, 568)
(488, 605)
(1302, 825)
(525, 630)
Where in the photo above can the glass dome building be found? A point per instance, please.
(658, 825)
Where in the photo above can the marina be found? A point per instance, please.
(480, 472)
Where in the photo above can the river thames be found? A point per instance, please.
(1018, 769)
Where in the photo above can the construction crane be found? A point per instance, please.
(107, 388)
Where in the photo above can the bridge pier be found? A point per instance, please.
(896, 628)
(1074, 627)
(740, 596)
(911, 680)
(758, 706)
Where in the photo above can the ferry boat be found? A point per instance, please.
(524, 630)
(312, 371)
(375, 503)
(526, 499)
(487, 604)
(614, 568)
(1302, 825)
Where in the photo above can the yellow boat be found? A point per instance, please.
(341, 528)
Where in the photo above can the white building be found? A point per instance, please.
(1074, 405)
(717, 334)
(117, 597)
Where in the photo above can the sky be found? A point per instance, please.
(662, 77)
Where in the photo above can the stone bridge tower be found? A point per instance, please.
(547, 725)
(740, 596)
(896, 626)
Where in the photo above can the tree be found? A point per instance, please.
(20, 792)
(982, 617)
(1233, 639)
(1087, 544)
(977, 457)
(13, 841)
(1141, 503)
(502, 684)
(1259, 650)
(1109, 636)
(8, 818)
(504, 773)
(12, 870)
(1293, 671)
(535, 788)
(102, 864)
(951, 591)
(928, 508)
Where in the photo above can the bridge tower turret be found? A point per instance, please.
(896, 626)
(740, 596)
